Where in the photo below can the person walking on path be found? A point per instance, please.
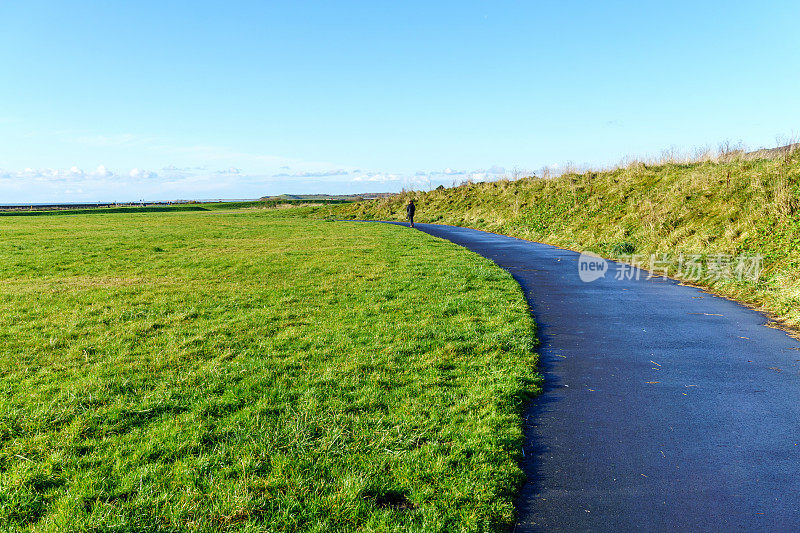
(410, 208)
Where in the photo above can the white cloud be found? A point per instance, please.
(313, 174)
(377, 177)
(74, 174)
(489, 173)
(102, 172)
(232, 171)
(29, 174)
(138, 173)
(451, 172)
(203, 180)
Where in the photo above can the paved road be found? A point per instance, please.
(664, 409)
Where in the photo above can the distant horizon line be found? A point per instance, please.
(186, 201)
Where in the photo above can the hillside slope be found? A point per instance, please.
(713, 214)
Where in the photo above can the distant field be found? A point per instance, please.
(254, 370)
(66, 209)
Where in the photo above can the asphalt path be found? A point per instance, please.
(664, 408)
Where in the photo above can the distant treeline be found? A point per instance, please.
(17, 212)
(94, 209)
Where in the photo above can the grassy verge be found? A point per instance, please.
(736, 207)
(255, 371)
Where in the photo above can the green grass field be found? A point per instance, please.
(255, 370)
(736, 206)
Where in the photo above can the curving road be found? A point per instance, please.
(664, 409)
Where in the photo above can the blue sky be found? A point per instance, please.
(104, 101)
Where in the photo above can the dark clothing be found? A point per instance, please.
(410, 208)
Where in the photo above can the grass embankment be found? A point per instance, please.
(736, 207)
(255, 371)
